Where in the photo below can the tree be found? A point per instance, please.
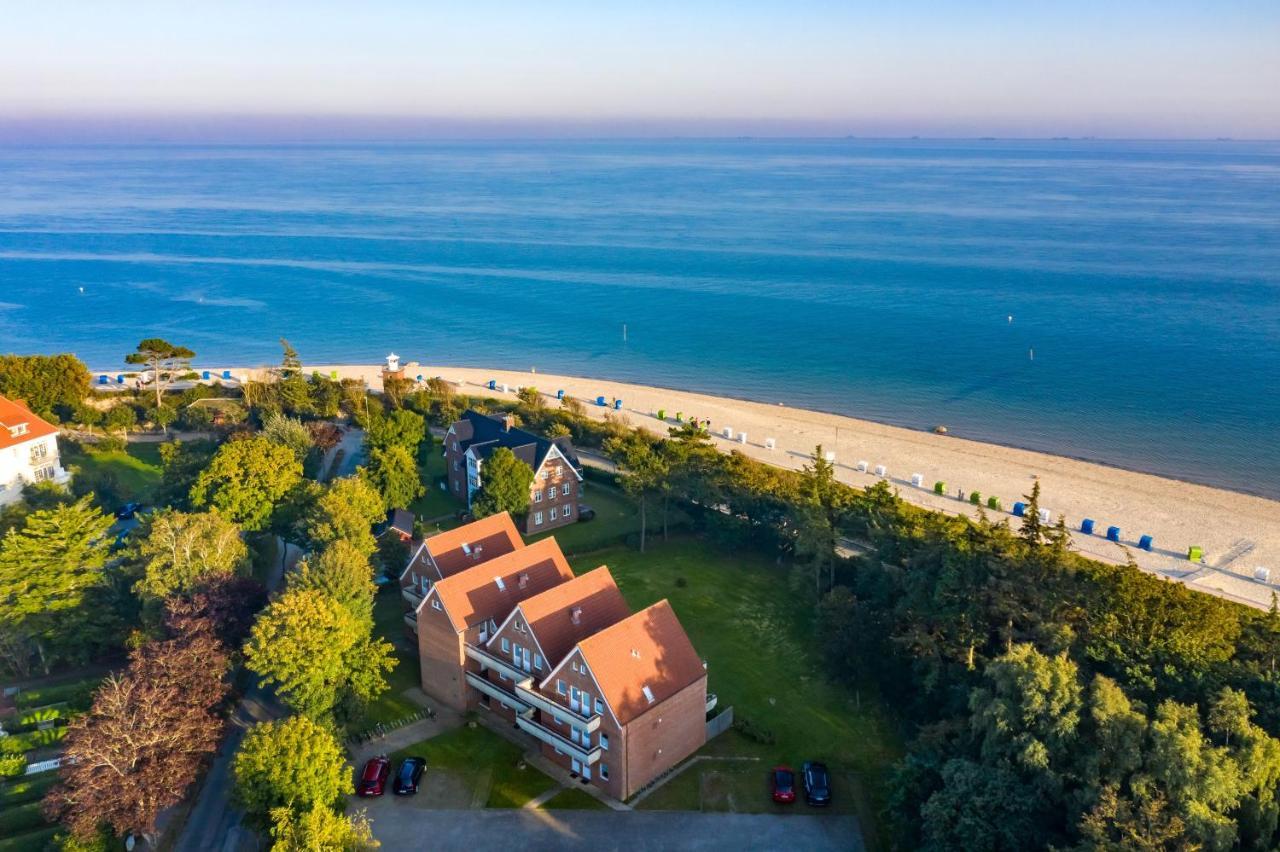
(245, 479)
(1029, 712)
(291, 385)
(293, 763)
(321, 829)
(644, 471)
(51, 385)
(342, 572)
(140, 746)
(980, 807)
(393, 472)
(163, 416)
(1032, 528)
(287, 432)
(162, 358)
(181, 463)
(401, 428)
(180, 552)
(48, 570)
(531, 399)
(346, 510)
(316, 653)
(504, 485)
(120, 417)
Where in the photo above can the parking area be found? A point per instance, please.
(411, 824)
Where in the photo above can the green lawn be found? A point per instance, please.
(435, 502)
(616, 518)
(573, 799)
(478, 761)
(388, 620)
(757, 638)
(133, 473)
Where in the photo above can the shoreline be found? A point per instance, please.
(1239, 532)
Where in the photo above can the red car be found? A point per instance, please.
(782, 781)
(373, 780)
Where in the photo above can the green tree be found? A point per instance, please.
(346, 510)
(163, 359)
(400, 428)
(294, 763)
(1032, 528)
(316, 653)
(644, 471)
(120, 418)
(51, 385)
(341, 571)
(47, 572)
(245, 479)
(163, 416)
(531, 399)
(504, 485)
(393, 473)
(288, 432)
(179, 552)
(1030, 709)
(180, 465)
(980, 807)
(321, 829)
(292, 388)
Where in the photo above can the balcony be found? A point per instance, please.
(412, 596)
(495, 691)
(489, 661)
(539, 731)
(411, 621)
(524, 689)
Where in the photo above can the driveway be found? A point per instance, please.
(352, 446)
(403, 828)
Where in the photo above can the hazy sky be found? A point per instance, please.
(983, 67)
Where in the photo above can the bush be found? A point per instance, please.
(32, 790)
(752, 731)
(77, 695)
(20, 818)
(32, 841)
(12, 765)
(19, 743)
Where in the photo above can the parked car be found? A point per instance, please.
(817, 784)
(585, 512)
(408, 776)
(127, 511)
(373, 780)
(782, 781)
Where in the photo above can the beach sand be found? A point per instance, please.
(1238, 533)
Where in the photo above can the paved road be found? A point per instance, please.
(352, 445)
(214, 823)
(599, 831)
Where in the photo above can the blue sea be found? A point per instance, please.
(1112, 301)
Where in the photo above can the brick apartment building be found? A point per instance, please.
(557, 474)
(613, 696)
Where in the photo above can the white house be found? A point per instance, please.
(28, 451)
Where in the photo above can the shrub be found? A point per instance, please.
(26, 790)
(77, 695)
(681, 582)
(12, 765)
(20, 818)
(752, 731)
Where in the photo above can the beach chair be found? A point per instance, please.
(770, 443)
(1144, 543)
(1086, 526)
(880, 470)
(862, 467)
(1113, 534)
(917, 480)
(1019, 509)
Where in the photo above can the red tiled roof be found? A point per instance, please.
(594, 599)
(15, 413)
(486, 539)
(649, 649)
(473, 596)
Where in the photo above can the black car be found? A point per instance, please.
(408, 776)
(817, 784)
(585, 512)
(127, 511)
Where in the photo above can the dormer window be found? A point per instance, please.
(648, 693)
(502, 587)
(20, 429)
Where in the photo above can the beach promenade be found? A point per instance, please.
(1238, 533)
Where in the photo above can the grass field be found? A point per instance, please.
(572, 799)
(134, 473)
(482, 764)
(757, 638)
(388, 620)
(435, 502)
(616, 518)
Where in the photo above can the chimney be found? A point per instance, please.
(476, 551)
(576, 615)
(524, 579)
(508, 421)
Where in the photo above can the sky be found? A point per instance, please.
(1127, 68)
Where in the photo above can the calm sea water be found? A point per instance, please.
(870, 278)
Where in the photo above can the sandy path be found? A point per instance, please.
(1239, 533)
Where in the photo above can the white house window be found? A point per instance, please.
(564, 489)
(506, 646)
(537, 496)
(559, 470)
(600, 708)
(44, 473)
(559, 687)
(39, 451)
(551, 493)
(553, 513)
(604, 742)
(537, 519)
(574, 665)
(537, 662)
(435, 604)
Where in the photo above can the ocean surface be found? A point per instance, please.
(1112, 301)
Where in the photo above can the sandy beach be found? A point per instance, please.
(1238, 533)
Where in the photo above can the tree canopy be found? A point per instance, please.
(347, 509)
(179, 552)
(162, 358)
(342, 572)
(295, 763)
(394, 473)
(245, 479)
(53, 386)
(504, 485)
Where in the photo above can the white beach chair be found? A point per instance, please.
(880, 471)
(862, 467)
(917, 479)
(727, 432)
(770, 443)
(1044, 516)
(831, 458)
(1262, 574)
(742, 437)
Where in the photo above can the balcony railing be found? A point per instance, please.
(489, 661)
(411, 621)
(412, 596)
(524, 689)
(494, 690)
(539, 731)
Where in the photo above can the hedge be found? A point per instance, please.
(18, 743)
(27, 790)
(32, 841)
(78, 695)
(20, 818)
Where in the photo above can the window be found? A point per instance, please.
(44, 473)
(564, 489)
(554, 513)
(506, 645)
(604, 771)
(559, 687)
(551, 493)
(537, 519)
(537, 496)
(559, 470)
(435, 604)
(604, 742)
(502, 586)
(599, 706)
(648, 693)
(574, 665)
(537, 662)
(501, 676)
(456, 466)
(567, 509)
(39, 451)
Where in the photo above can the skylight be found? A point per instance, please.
(502, 587)
(648, 693)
